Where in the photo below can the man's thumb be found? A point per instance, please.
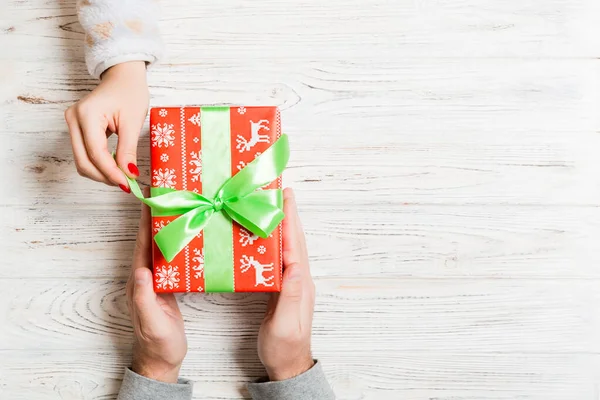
(144, 298)
(291, 293)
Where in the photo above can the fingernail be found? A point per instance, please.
(133, 169)
(125, 188)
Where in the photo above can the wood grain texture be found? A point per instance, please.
(447, 315)
(445, 163)
(385, 241)
(411, 375)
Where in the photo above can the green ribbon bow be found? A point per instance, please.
(259, 211)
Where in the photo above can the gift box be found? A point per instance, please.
(195, 150)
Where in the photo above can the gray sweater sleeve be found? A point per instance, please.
(311, 385)
(137, 387)
(117, 31)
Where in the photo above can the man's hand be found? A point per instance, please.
(160, 343)
(118, 105)
(284, 338)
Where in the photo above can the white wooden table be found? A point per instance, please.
(445, 159)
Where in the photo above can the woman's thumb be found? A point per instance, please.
(127, 149)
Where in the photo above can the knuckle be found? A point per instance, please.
(82, 171)
(82, 108)
(96, 154)
(128, 152)
(137, 300)
(84, 168)
(69, 114)
(126, 156)
(294, 292)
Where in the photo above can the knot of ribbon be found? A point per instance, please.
(240, 197)
(218, 204)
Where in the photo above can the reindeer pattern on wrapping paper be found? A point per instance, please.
(259, 270)
(255, 137)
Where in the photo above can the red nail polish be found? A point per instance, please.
(125, 188)
(133, 169)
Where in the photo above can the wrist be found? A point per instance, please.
(291, 371)
(127, 70)
(156, 370)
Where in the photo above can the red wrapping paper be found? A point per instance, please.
(176, 162)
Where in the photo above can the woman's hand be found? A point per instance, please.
(118, 105)
(160, 343)
(284, 338)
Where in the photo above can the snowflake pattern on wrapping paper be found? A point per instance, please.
(241, 110)
(164, 179)
(196, 139)
(247, 238)
(198, 260)
(240, 165)
(158, 225)
(163, 135)
(167, 277)
(196, 162)
(164, 157)
(261, 249)
(163, 113)
(195, 119)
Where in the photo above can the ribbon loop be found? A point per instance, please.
(259, 211)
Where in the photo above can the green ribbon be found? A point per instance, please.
(259, 211)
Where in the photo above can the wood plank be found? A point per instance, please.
(439, 316)
(405, 97)
(377, 241)
(336, 29)
(528, 137)
(353, 374)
